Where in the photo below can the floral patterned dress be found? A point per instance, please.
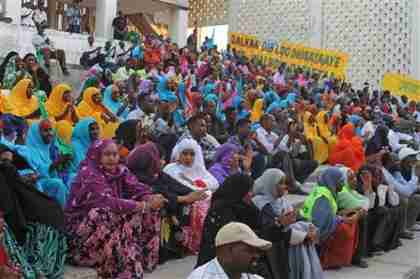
(106, 231)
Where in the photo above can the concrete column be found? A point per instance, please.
(52, 14)
(178, 26)
(106, 11)
(13, 10)
(315, 10)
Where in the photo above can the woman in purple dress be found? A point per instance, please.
(111, 218)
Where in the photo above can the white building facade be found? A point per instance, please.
(379, 35)
(17, 37)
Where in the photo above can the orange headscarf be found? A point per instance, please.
(349, 149)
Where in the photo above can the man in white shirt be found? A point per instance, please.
(43, 44)
(268, 139)
(237, 249)
(409, 200)
(92, 55)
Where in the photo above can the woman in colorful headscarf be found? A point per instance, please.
(324, 132)
(37, 153)
(226, 162)
(337, 234)
(319, 146)
(92, 81)
(22, 101)
(92, 106)
(112, 220)
(256, 104)
(86, 131)
(357, 122)
(349, 150)
(60, 106)
(270, 192)
(112, 101)
(186, 208)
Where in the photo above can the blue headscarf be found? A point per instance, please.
(291, 98)
(280, 104)
(209, 88)
(36, 152)
(182, 94)
(211, 98)
(112, 105)
(356, 121)
(81, 140)
(270, 97)
(332, 178)
(163, 91)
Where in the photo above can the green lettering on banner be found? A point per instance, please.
(408, 87)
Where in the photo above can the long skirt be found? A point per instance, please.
(42, 255)
(339, 248)
(193, 232)
(304, 261)
(117, 245)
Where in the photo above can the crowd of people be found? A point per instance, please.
(166, 151)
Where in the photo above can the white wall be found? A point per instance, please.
(379, 36)
(20, 39)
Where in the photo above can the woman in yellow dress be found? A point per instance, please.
(22, 101)
(91, 106)
(319, 146)
(324, 131)
(256, 104)
(60, 105)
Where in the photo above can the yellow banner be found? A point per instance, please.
(400, 85)
(270, 52)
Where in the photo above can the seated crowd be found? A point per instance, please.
(172, 152)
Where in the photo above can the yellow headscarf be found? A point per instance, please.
(323, 127)
(257, 110)
(320, 148)
(4, 104)
(20, 103)
(55, 104)
(87, 107)
(64, 131)
(308, 129)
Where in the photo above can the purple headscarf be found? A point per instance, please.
(95, 188)
(144, 162)
(221, 163)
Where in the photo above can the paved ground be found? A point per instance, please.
(394, 265)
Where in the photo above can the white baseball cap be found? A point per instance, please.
(238, 232)
(405, 152)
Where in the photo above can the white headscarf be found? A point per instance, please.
(263, 189)
(188, 174)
